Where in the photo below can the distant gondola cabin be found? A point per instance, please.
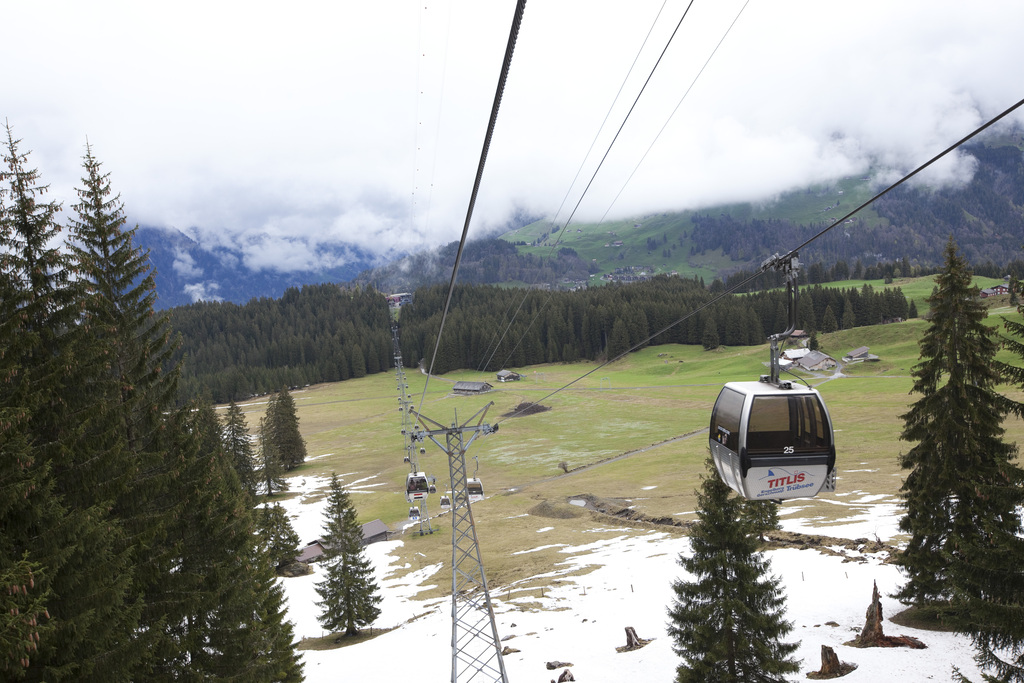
(416, 487)
(475, 490)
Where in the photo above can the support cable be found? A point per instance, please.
(672, 115)
(517, 21)
(615, 138)
(772, 261)
(568, 191)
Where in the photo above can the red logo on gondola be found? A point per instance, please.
(781, 478)
(787, 480)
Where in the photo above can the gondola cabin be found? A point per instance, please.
(414, 514)
(475, 490)
(773, 443)
(446, 503)
(416, 487)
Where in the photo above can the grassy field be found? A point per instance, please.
(634, 429)
(918, 289)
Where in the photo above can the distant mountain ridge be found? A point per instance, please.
(187, 271)
(911, 224)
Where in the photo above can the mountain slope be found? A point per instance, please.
(985, 215)
(187, 271)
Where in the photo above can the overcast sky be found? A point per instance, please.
(277, 127)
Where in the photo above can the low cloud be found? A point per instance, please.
(203, 291)
(365, 127)
(185, 266)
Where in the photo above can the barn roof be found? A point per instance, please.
(374, 528)
(472, 387)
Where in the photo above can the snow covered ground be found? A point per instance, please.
(584, 618)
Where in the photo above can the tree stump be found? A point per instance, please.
(831, 667)
(873, 636)
(633, 641)
(829, 662)
(872, 633)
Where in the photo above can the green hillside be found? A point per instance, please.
(598, 243)
(633, 429)
(817, 204)
(985, 216)
(918, 289)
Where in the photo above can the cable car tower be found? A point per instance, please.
(417, 484)
(476, 648)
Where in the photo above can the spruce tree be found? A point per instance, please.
(762, 516)
(27, 500)
(128, 377)
(231, 623)
(348, 593)
(283, 428)
(849, 318)
(80, 547)
(727, 618)
(709, 340)
(271, 468)
(281, 541)
(962, 490)
(22, 616)
(987, 599)
(829, 323)
(239, 448)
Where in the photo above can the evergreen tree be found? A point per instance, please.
(281, 541)
(828, 321)
(709, 340)
(805, 313)
(261, 648)
(230, 622)
(727, 621)
(618, 341)
(27, 502)
(849, 317)
(271, 469)
(240, 450)
(962, 489)
(358, 361)
(79, 545)
(912, 310)
(282, 425)
(988, 586)
(348, 593)
(22, 617)
(128, 377)
(762, 516)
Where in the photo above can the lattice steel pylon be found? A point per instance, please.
(476, 648)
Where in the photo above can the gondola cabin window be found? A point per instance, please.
(728, 411)
(785, 424)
